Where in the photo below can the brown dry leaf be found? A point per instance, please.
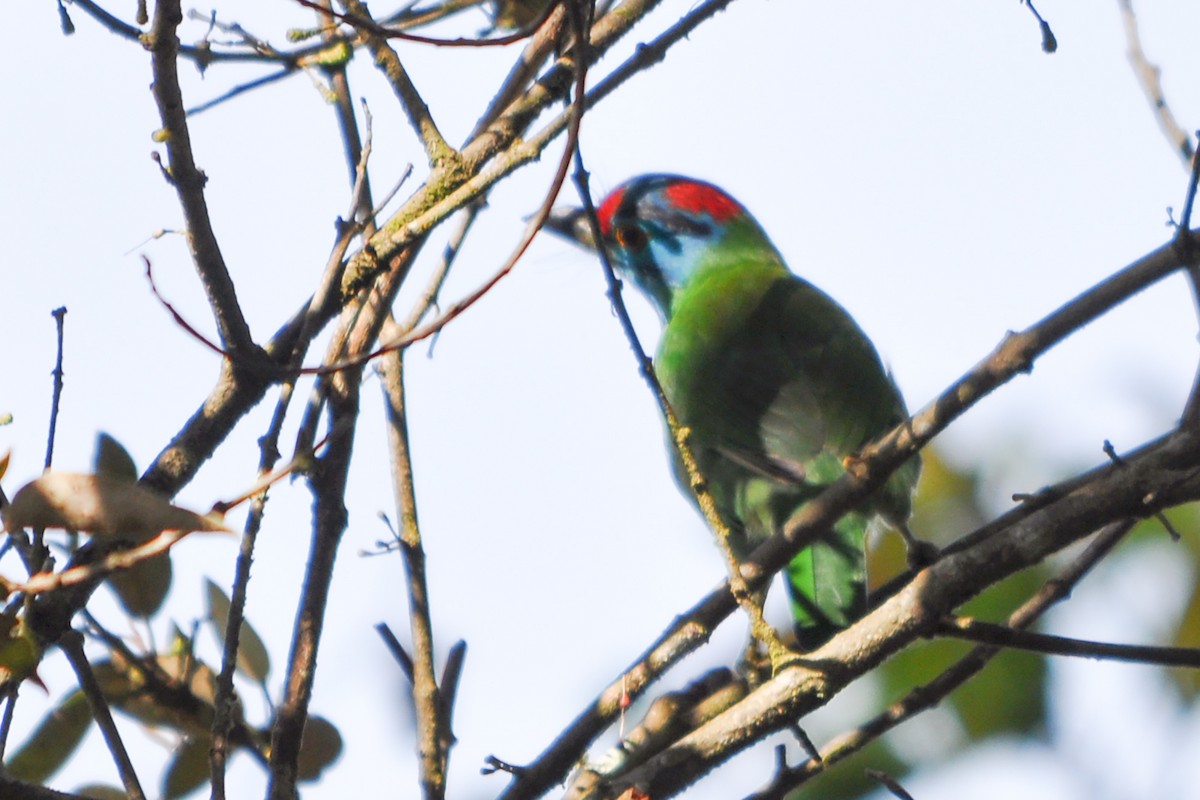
(101, 506)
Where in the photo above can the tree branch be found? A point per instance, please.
(72, 645)
(189, 184)
(989, 633)
(1150, 79)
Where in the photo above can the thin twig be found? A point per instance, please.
(188, 181)
(396, 649)
(59, 315)
(71, 644)
(225, 698)
(889, 783)
(1049, 43)
(973, 630)
(327, 481)
(1183, 240)
(10, 694)
(440, 154)
(1150, 78)
(425, 693)
(749, 602)
(119, 560)
(202, 55)
(362, 21)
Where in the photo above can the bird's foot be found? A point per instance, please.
(920, 552)
(755, 664)
(764, 658)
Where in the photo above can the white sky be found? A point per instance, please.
(926, 164)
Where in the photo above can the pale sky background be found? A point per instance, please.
(924, 163)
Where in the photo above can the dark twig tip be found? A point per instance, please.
(889, 783)
(493, 765)
(1049, 43)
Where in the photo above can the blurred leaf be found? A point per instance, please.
(336, 55)
(252, 657)
(918, 664)
(143, 587)
(185, 705)
(100, 505)
(113, 460)
(946, 503)
(1009, 695)
(512, 15)
(945, 507)
(52, 742)
(19, 650)
(189, 769)
(1187, 681)
(847, 779)
(99, 791)
(319, 747)
(1186, 521)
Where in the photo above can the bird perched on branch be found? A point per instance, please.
(779, 387)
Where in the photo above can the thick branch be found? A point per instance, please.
(1155, 480)
(930, 694)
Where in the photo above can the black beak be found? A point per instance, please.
(571, 223)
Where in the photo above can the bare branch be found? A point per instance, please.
(441, 156)
(1049, 43)
(431, 727)
(973, 630)
(59, 315)
(1150, 78)
(189, 182)
(72, 645)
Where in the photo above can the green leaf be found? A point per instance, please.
(114, 460)
(252, 657)
(188, 770)
(53, 741)
(848, 779)
(1008, 696)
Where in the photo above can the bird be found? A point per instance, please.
(778, 385)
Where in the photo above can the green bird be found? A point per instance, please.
(777, 383)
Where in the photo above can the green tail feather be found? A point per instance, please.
(827, 582)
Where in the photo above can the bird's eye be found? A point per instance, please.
(631, 237)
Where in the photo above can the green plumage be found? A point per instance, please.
(775, 380)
